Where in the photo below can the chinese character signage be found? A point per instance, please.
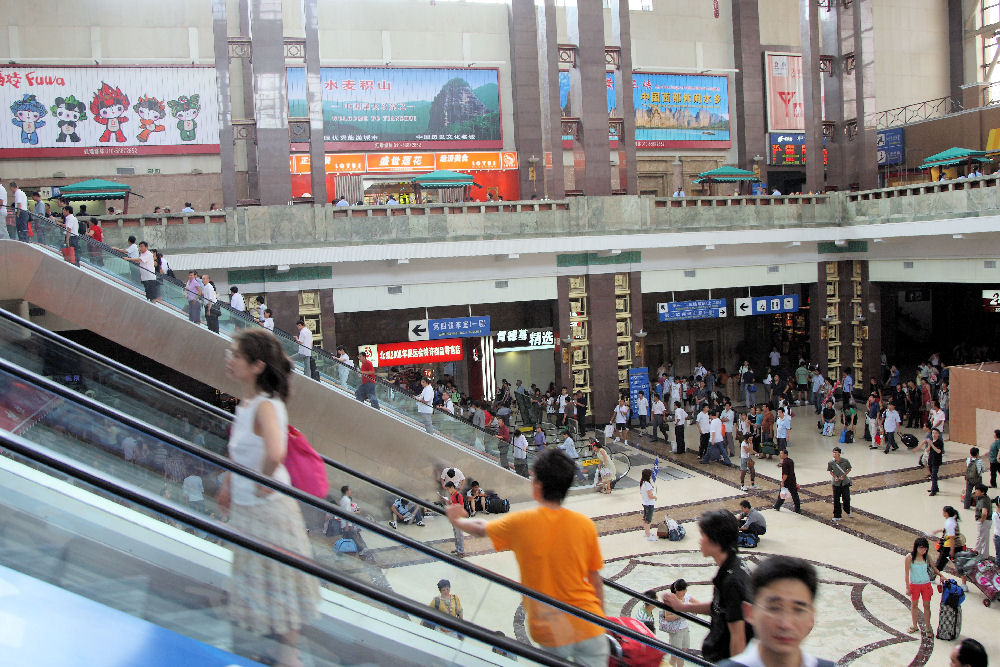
(462, 327)
(783, 76)
(681, 111)
(638, 380)
(701, 309)
(408, 354)
(524, 338)
(361, 163)
(391, 108)
(889, 144)
(789, 149)
(108, 111)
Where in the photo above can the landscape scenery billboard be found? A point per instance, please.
(378, 108)
(681, 111)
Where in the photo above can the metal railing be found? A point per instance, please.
(913, 113)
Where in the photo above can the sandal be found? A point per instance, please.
(912, 629)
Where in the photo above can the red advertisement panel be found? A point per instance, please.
(419, 352)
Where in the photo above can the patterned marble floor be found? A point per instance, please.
(862, 613)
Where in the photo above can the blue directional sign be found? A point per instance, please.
(459, 327)
(767, 305)
(638, 380)
(889, 144)
(702, 309)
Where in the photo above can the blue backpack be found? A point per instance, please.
(346, 545)
(952, 594)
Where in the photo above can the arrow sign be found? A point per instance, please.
(418, 330)
(743, 307)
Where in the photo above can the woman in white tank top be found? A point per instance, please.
(266, 597)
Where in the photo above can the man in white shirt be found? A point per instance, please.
(305, 339)
(659, 410)
(72, 226)
(561, 402)
(704, 420)
(775, 358)
(212, 310)
(938, 417)
(268, 321)
(239, 306)
(425, 404)
(521, 454)
(20, 212)
(717, 445)
(343, 371)
(728, 418)
(699, 371)
(194, 489)
(679, 192)
(641, 409)
(187, 208)
(776, 192)
(817, 391)
(569, 448)
(680, 418)
(891, 421)
(3, 213)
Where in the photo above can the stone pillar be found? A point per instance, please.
(749, 63)
(314, 93)
(525, 67)
(864, 89)
(813, 106)
(227, 151)
(627, 166)
(285, 309)
(603, 346)
(548, 63)
(563, 330)
(677, 174)
(593, 107)
(956, 45)
(270, 102)
(328, 320)
(836, 143)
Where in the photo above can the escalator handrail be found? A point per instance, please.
(280, 333)
(318, 503)
(222, 531)
(228, 417)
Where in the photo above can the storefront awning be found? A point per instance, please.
(726, 175)
(94, 188)
(953, 156)
(442, 178)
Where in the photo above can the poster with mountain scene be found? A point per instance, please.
(681, 111)
(404, 108)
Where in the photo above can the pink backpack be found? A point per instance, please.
(305, 466)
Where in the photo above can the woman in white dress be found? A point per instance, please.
(266, 598)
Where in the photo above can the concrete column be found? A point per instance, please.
(627, 166)
(314, 93)
(749, 63)
(328, 320)
(525, 67)
(836, 145)
(563, 360)
(956, 45)
(548, 59)
(227, 153)
(813, 105)
(864, 82)
(285, 309)
(603, 346)
(593, 105)
(270, 102)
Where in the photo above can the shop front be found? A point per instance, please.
(526, 355)
(370, 179)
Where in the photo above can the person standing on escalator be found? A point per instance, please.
(265, 598)
(366, 390)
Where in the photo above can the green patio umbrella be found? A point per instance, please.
(442, 178)
(954, 156)
(725, 174)
(97, 188)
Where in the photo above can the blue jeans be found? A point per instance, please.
(366, 391)
(751, 396)
(720, 448)
(591, 652)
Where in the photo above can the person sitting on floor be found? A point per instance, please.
(751, 520)
(406, 511)
(476, 498)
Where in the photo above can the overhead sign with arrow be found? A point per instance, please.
(418, 330)
(767, 305)
(691, 310)
(459, 327)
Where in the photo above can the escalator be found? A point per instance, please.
(106, 296)
(66, 438)
(29, 347)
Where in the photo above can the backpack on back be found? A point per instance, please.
(972, 472)
(305, 467)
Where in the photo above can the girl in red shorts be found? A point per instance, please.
(920, 574)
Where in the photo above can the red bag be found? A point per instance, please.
(305, 466)
(632, 652)
(69, 254)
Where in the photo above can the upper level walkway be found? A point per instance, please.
(308, 226)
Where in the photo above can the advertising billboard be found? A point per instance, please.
(783, 77)
(681, 111)
(392, 108)
(66, 111)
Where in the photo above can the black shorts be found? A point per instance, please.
(647, 513)
(152, 288)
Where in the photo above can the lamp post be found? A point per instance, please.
(533, 175)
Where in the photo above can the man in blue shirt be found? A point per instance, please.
(782, 425)
(848, 387)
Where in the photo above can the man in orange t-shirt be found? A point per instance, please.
(558, 555)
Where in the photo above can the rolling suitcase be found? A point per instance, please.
(909, 440)
(627, 652)
(986, 577)
(950, 612)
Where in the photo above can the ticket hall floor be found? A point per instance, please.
(862, 612)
